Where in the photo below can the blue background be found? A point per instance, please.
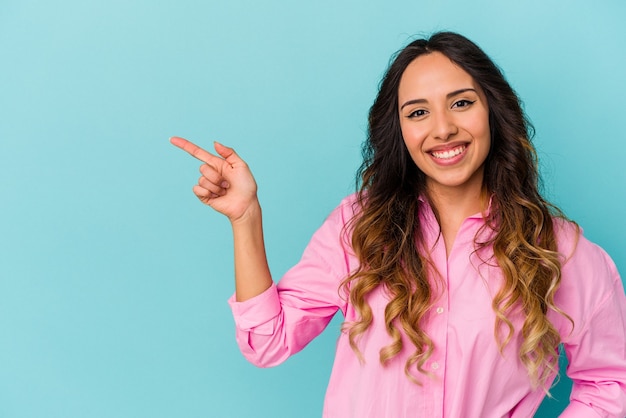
(114, 278)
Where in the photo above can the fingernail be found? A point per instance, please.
(225, 184)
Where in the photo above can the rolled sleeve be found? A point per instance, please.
(282, 320)
(257, 314)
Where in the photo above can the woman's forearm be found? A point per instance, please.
(252, 274)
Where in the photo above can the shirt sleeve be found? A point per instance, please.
(596, 349)
(286, 317)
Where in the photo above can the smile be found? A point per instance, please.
(447, 154)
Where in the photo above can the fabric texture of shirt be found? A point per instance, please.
(468, 376)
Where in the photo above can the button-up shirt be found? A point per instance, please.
(467, 374)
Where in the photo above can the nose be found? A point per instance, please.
(443, 126)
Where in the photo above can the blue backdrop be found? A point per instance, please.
(114, 278)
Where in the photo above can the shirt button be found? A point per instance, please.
(435, 365)
(440, 310)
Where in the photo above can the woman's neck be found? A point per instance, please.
(453, 206)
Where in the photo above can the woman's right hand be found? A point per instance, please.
(226, 183)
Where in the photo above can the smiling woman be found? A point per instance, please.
(457, 280)
(444, 118)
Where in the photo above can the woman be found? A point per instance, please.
(457, 280)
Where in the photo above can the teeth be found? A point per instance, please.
(449, 153)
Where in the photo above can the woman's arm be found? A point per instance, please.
(227, 185)
(284, 319)
(592, 294)
(272, 322)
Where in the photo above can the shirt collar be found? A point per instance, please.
(478, 215)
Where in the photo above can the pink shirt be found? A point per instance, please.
(470, 378)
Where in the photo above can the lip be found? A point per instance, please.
(460, 147)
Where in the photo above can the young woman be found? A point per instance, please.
(457, 280)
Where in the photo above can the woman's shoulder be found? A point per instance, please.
(568, 235)
(586, 267)
(350, 200)
(574, 246)
(590, 283)
(347, 209)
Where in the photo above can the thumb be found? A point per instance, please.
(227, 153)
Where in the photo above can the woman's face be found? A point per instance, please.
(444, 119)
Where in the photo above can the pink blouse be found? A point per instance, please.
(468, 375)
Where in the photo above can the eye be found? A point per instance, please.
(463, 103)
(417, 113)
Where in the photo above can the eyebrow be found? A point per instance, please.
(448, 96)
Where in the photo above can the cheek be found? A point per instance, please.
(481, 131)
(484, 121)
(412, 136)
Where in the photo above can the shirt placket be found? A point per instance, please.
(437, 329)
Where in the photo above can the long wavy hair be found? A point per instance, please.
(387, 238)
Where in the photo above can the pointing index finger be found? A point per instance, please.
(193, 150)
